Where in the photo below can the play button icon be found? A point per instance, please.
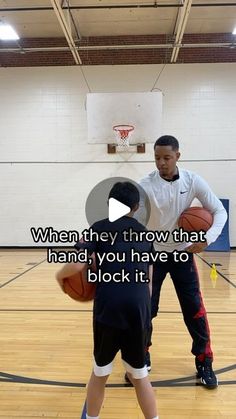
(116, 209)
(99, 206)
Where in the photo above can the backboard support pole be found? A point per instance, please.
(140, 148)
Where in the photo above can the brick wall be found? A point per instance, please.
(119, 56)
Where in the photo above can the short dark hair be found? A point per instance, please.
(125, 192)
(168, 140)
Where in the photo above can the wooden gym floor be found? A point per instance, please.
(46, 347)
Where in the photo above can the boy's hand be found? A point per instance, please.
(60, 282)
(68, 270)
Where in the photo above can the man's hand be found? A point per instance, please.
(196, 247)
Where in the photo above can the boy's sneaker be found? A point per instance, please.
(205, 373)
(127, 379)
(148, 361)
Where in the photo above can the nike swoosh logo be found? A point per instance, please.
(183, 192)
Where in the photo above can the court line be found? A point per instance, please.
(175, 383)
(22, 273)
(188, 381)
(90, 311)
(46, 310)
(222, 275)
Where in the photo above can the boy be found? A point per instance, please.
(121, 313)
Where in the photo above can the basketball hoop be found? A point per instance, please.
(123, 133)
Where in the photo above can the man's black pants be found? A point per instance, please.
(186, 282)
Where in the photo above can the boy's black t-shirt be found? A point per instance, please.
(128, 304)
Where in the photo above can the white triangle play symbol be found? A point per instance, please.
(117, 209)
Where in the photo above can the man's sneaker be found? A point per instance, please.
(205, 373)
(148, 361)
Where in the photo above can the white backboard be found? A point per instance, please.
(143, 110)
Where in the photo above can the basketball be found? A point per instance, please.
(77, 287)
(195, 219)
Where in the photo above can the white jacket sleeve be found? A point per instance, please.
(210, 201)
(142, 213)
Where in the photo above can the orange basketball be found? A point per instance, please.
(195, 219)
(77, 287)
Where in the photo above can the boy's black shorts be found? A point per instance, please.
(109, 340)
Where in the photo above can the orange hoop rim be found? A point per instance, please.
(123, 128)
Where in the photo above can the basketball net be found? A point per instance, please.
(123, 134)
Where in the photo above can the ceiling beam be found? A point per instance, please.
(77, 31)
(180, 28)
(124, 6)
(66, 30)
(111, 47)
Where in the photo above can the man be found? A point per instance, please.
(171, 190)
